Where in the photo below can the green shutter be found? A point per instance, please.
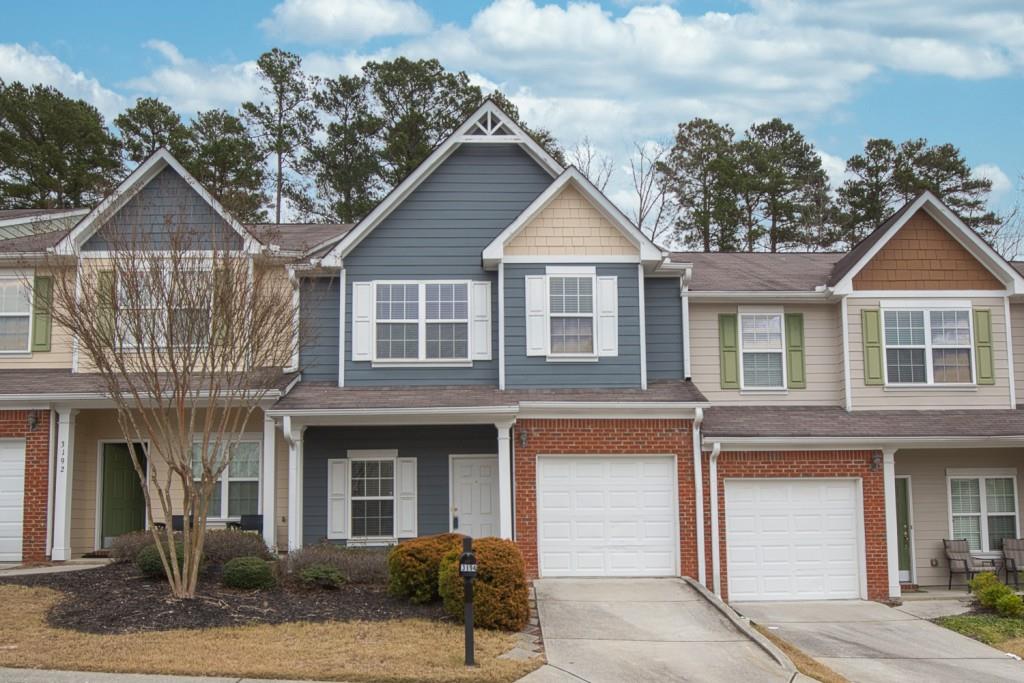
(221, 290)
(796, 370)
(983, 346)
(729, 350)
(42, 321)
(871, 333)
(106, 298)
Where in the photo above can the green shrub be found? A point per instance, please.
(357, 565)
(983, 580)
(322, 576)
(989, 590)
(413, 566)
(249, 573)
(126, 547)
(149, 563)
(500, 595)
(1010, 605)
(224, 545)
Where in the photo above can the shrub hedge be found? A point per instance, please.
(149, 563)
(249, 573)
(126, 547)
(322, 576)
(357, 565)
(413, 566)
(224, 545)
(994, 595)
(500, 595)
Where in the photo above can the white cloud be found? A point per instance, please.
(18, 63)
(328, 21)
(835, 167)
(1001, 183)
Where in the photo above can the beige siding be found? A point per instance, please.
(570, 226)
(59, 355)
(879, 397)
(927, 470)
(822, 343)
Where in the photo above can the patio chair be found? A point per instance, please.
(178, 522)
(958, 554)
(1013, 559)
(252, 523)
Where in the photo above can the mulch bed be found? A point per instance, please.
(118, 599)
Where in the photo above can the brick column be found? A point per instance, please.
(18, 424)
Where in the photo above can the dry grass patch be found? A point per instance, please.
(805, 664)
(401, 650)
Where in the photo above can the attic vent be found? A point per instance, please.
(489, 124)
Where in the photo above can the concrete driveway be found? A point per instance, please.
(868, 642)
(642, 630)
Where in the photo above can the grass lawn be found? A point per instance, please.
(805, 664)
(396, 650)
(1004, 633)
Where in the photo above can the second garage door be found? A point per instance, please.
(607, 516)
(792, 539)
(12, 498)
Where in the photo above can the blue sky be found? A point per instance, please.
(619, 72)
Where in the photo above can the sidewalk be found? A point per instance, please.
(70, 566)
(43, 676)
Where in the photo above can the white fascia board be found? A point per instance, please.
(949, 221)
(136, 180)
(804, 297)
(854, 443)
(428, 165)
(654, 410)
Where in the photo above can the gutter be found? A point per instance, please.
(741, 443)
(698, 483)
(287, 413)
(713, 482)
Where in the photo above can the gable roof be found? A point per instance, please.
(649, 251)
(758, 271)
(487, 125)
(136, 180)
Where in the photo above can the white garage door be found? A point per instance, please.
(792, 539)
(12, 499)
(606, 516)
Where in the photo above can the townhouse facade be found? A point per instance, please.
(497, 350)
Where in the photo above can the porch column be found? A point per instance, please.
(269, 510)
(891, 528)
(504, 478)
(62, 485)
(293, 435)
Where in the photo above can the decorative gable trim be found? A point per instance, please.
(129, 187)
(494, 252)
(487, 125)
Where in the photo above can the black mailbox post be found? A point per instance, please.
(467, 570)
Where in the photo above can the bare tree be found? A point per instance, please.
(655, 211)
(188, 334)
(591, 162)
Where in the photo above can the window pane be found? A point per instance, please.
(1000, 527)
(964, 495)
(14, 296)
(572, 295)
(398, 302)
(243, 498)
(762, 369)
(950, 328)
(572, 335)
(761, 331)
(906, 366)
(446, 301)
(904, 328)
(447, 340)
(969, 528)
(14, 333)
(245, 462)
(951, 365)
(373, 518)
(397, 340)
(999, 495)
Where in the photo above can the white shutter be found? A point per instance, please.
(607, 316)
(405, 498)
(480, 320)
(362, 320)
(337, 498)
(536, 315)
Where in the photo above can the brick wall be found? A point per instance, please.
(796, 464)
(15, 424)
(601, 437)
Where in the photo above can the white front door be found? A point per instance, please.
(12, 498)
(475, 495)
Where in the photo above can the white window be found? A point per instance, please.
(983, 509)
(238, 491)
(572, 314)
(373, 498)
(15, 314)
(166, 299)
(927, 345)
(762, 346)
(571, 306)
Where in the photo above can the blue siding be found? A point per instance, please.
(664, 318)
(431, 446)
(166, 206)
(536, 371)
(318, 327)
(439, 232)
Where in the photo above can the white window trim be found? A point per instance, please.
(574, 272)
(364, 455)
(762, 310)
(226, 479)
(926, 308)
(981, 475)
(22, 279)
(421, 323)
(118, 306)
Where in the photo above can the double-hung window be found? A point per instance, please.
(238, 491)
(373, 498)
(571, 307)
(421, 321)
(983, 508)
(164, 306)
(762, 349)
(15, 314)
(928, 345)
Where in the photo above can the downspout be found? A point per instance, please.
(698, 485)
(684, 298)
(293, 280)
(49, 483)
(713, 482)
(844, 325)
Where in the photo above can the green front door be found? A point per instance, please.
(124, 507)
(903, 525)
